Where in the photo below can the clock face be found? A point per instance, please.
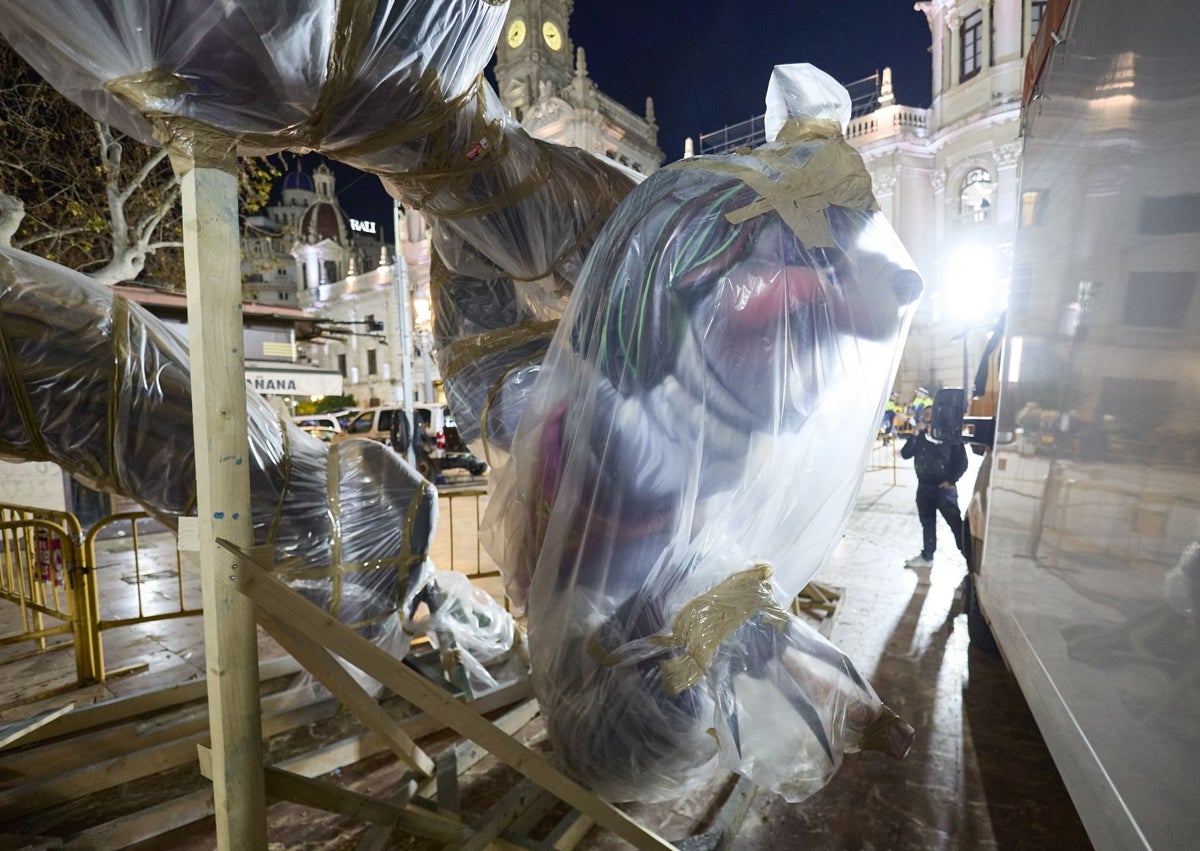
(552, 36)
(516, 33)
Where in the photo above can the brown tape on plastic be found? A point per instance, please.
(834, 175)
(119, 341)
(704, 623)
(286, 444)
(19, 392)
(463, 353)
(194, 144)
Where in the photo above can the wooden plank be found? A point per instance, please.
(216, 343)
(145, 824)
(255, 580)
(104, 774)
(123, 708)
(467, 753)
(519, 830)
(67, 755)
(323, 795)
(570, 831)
(15, 730)
(337, 679)
(356, 748)
(154, 821)
(499, 816)
(447, 782)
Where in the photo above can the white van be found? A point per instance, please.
(321, 421)
(376, 424)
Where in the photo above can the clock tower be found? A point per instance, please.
(541, 77)
(535, 54)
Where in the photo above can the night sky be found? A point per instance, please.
(706, 63)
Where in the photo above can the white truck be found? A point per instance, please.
(1085, 566)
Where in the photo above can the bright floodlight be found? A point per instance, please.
(970, 283)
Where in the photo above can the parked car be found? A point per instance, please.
(323, 433)
(440, 448)
(310, 421)
(457, 456)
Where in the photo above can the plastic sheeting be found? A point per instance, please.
(394, 88)
(692, 451)
(695, 448)
(99, 386)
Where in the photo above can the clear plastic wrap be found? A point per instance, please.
(691, 449)
(688, 460)
(92, 382)
(394, 88)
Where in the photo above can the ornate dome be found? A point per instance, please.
(323, 220)
(298, 180)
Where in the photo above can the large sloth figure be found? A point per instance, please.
(689, 458)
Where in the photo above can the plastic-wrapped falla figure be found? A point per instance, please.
(690, 457)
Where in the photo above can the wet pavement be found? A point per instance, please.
(978, 776)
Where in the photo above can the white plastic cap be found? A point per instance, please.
(804, 90)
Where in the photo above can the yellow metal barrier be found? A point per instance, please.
(164, 584)
(463, 534)
(119, 574)
(42, 574)
(883, 454)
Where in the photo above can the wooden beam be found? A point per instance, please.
(466, 754)
(169, 815)
(499, 816)
(212, 263)
(570, 831)
(256, 581)
(16, 730)
(123, 708)
(345, 688)
(323, 795)
(106, 773)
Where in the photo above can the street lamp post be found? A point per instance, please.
(400, 278)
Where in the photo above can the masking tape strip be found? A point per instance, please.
(332, 504)
(410, 522)
(20, 393)
(705, 622)
(834, 174)
(119, 343)
(286, 445)
(465, 352)
(351, 29)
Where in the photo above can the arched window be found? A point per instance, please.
(975, 198)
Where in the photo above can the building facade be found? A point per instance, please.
(543, 81)
(946, 177)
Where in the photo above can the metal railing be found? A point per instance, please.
(42, 575)
(164, 584)
(128, 570)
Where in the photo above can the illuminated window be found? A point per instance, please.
(1032, 205)
(971, 39)
(975, 197)
(1037, 9)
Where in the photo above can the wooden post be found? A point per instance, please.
(214, 296)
